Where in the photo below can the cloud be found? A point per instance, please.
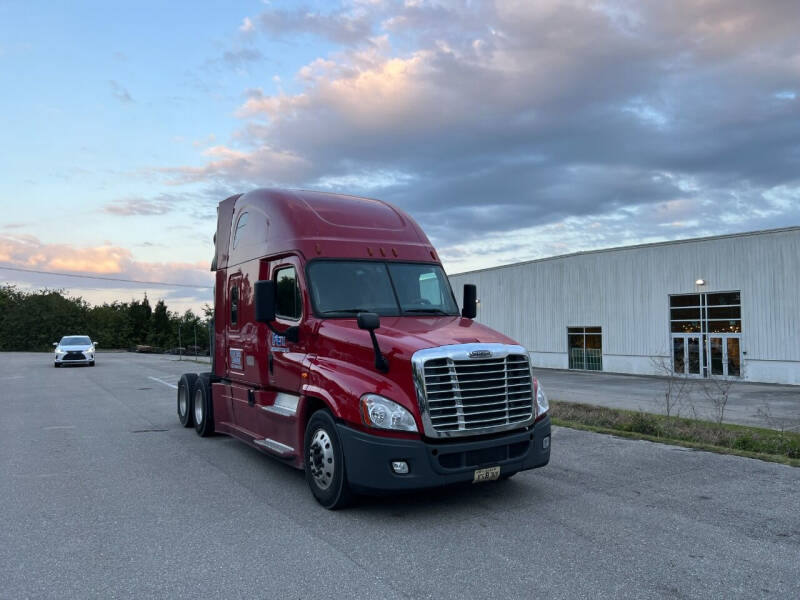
(28, 252)
(131, 207)
(120, 93)
(236, 59)
(341, 26)
(488, 119)
(239, 58)
(247, 25)
(263, 165)
(199, 204)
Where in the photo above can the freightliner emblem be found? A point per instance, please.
(480, 354)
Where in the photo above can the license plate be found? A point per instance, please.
(489, 474)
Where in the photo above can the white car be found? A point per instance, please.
(74, 350)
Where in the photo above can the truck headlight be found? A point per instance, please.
(382, 413)
(542, 405)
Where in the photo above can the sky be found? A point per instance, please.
(510, 130)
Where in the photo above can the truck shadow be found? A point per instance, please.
(458, 498)
(281, 482)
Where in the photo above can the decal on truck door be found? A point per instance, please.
(236, 358)
(279, 343)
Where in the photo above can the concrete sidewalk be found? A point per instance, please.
(755, 404)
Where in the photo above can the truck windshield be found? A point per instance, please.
(344, 288)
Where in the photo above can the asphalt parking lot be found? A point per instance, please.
(103, 494)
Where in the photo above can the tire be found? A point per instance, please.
(185, 394)
(91, 364)
(322, 451)
(203, 407)
(56, 365)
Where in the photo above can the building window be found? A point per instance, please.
(585, 348)
(706, 329)
(289, 301)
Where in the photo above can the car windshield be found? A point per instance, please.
(75, 340)
(344, 288)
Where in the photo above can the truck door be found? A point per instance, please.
(286, 357)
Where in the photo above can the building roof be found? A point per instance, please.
(638, 247)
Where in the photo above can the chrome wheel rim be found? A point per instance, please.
(320, 459)
(198, 407)
(183, 401)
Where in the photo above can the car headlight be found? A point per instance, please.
(382, 413)
(542, 405)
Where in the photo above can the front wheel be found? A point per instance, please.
(324, 462)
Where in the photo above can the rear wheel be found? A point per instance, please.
(324, 462)
(186, 386)
(203, 409)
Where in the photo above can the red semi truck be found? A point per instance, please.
(338, 347)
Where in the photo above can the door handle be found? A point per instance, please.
(271, 363)
(251, 397)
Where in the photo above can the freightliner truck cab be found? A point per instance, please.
(339, 348)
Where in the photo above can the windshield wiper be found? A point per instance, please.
(352, 311)
(434, 311)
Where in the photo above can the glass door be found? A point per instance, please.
(686, 356)
(724, 355)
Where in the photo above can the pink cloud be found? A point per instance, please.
(28, 252)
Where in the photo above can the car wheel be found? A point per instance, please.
(91, 364)
(56, 365)
(324, 462)
(185, 394)
(203, 409)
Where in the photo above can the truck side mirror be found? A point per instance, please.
(55, 344)
(470, 305)
(264, 300)
(371, 321)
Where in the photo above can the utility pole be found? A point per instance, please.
(180, 356)
(195, 341)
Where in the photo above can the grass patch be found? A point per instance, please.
(752, 442)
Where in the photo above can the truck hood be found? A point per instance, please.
(400, 337)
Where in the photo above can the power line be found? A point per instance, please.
(162, 283)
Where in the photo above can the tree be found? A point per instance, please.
(139, 315)
(160, 330)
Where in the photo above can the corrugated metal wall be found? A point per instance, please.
(626, 292)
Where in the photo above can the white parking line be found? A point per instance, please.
(172, 385)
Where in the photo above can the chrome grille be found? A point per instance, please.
(464, 396)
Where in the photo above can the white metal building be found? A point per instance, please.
(719, 306)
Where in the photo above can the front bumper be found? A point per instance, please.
(369, 457)
(64, 360)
